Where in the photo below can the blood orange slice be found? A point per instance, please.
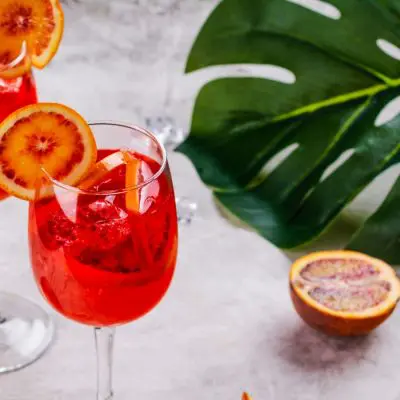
(45, 136)
(37, 24)
(343, 293)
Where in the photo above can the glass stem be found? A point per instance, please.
(104, 349)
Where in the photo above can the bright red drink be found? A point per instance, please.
(14, 94)
(97, 261)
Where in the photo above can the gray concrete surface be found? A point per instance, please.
(227, 323)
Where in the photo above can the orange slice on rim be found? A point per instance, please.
(36, 24)
(45, 136)
(343, 293)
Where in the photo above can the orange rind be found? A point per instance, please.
(108, 164)
(44, 138)
(132, 176)
(30, 33)
(343, 293)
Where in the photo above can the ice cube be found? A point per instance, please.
(102, 225)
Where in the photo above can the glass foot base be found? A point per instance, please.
(26, 332)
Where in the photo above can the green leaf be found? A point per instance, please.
(267, 31)
(381, 233)
(393, 6)
(265, 147)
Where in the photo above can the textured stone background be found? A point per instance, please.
(227, 323)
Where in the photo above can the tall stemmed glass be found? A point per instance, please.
(105, 256)
(171, 136)
(25, 329)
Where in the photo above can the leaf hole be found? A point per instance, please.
(321, 7)
(278, 159)
(267, 71)
(368, 201)
(388, 113)
(389, 48)
(346, 155)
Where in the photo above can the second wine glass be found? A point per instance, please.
(26, 330)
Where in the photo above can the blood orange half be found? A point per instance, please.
(343, 293)
(44, 136)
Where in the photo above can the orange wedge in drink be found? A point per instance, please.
(343, 293)
(106, 165)
(30, 32)
(44, 137)
(101, 169)
(132, 177)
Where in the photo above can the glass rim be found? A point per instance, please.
(131, 127)
(21, 56)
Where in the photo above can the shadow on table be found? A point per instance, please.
(310, 350)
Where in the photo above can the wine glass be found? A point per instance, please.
(171, 136)
(25, 329)
(106, 256)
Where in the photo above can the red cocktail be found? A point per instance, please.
(14, 94)
(96, 260)
(104, 251)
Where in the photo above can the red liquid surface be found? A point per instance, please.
(14, 94)
(98, 262)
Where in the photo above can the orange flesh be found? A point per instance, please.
(40, 139)
(344, 285)
(246, 397)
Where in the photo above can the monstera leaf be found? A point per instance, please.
(286, 157)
